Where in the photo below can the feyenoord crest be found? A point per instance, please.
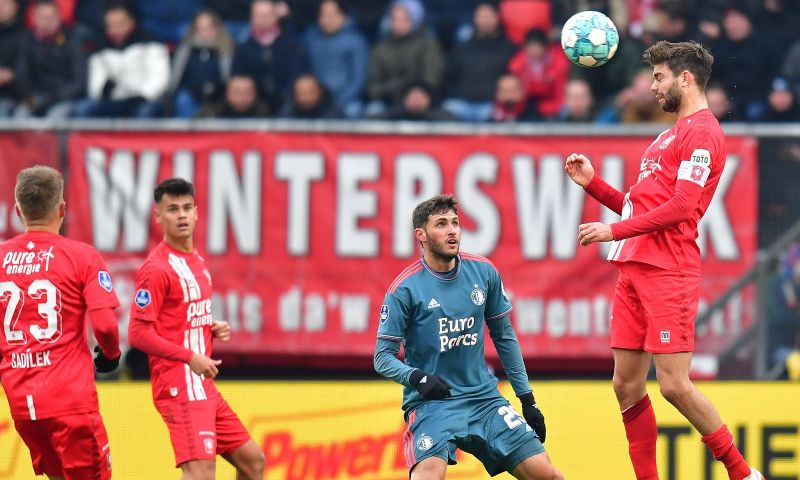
(478, 296)
(424, 443)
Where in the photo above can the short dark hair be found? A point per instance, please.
(119, 5)
(432, 206)
(680, 56)
(173, 186)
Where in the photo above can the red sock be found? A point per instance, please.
(722, 447)
(642, 432)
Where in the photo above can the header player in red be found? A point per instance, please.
(655, 248)
(171, 321)
(47, 285)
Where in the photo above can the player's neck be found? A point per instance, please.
(438, 264)
(691, 105)
(183, 245)
(48, 228)
(48, 225)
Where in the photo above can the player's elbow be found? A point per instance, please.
(377, 362)
(135, 335)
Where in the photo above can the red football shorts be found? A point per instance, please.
(73, 446)
(202, 429)
(654, 309)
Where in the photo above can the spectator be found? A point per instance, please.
(66, 11)
(738, 56)
(637, 104)
(272, 55)
(476, 65)
(543, 69)
(408, 55)
(51, 68)
(202, 64)
(781, 103)
(236, 16)
(310, 101)
(339, 56)
(417, 105)
(670, 22)
(241, 101)
(780, 18)
(167, 20)
(578, 102)
(129, 74)
(511, 103)
(720, 104)
(11, 36)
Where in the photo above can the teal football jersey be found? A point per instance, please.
(440, 321)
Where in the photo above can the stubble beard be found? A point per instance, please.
(672, 99)
(437, 249)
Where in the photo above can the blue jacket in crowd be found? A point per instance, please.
(339, 61)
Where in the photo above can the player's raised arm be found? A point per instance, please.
(579, 168)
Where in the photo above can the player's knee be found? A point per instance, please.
(626, 391)
(199, 470)
(675, 391)
(429, 470)
(619, 385)
(256, 465)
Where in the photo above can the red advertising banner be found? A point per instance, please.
(304, 232)
(20, 150)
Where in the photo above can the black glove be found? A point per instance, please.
(533, 415)
(102, 363)
(429, 386)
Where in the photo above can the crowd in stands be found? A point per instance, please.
(467, 60)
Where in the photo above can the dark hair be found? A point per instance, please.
(173, 186)
(118, 5)
(536, 35)
(432, 206)
(681, 56)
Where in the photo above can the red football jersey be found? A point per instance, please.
(47, 284)
(693, 150)
(173, 289)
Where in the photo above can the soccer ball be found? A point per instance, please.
(589, 39)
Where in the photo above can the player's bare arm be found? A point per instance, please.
(589, 233)
(579, 169)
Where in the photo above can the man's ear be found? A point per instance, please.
(420, 234)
